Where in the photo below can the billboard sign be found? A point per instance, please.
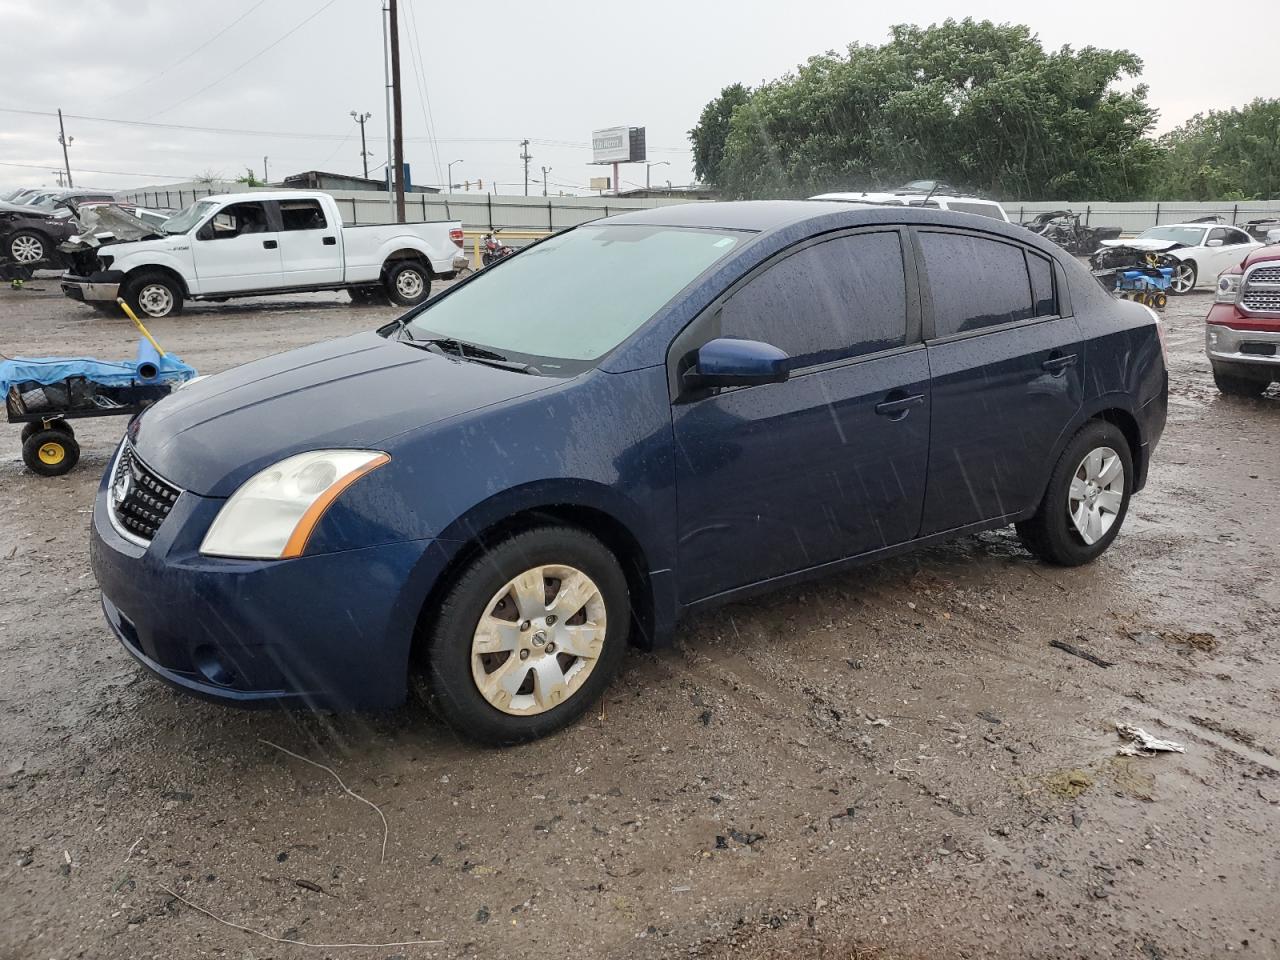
(618, 145)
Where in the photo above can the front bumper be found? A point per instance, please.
(1260, 348)
(329, 631)
(104, 285)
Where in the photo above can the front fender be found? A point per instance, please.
(130, 262)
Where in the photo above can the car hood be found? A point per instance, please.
(1136, 244)
(357, 392)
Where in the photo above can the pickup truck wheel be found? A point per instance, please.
(408, 283)
(1239, 385)
(528, 636)
(153, 295)
(1087, 498)
(27, 247)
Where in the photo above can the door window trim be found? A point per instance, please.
(928, 315)
(705, 327)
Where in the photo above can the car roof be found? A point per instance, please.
(261, 195)
(902, 198)
(764, 216)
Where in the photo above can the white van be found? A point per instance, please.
(983, 208)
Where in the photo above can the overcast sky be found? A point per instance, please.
(493, 73)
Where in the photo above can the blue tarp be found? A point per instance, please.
(149, 367)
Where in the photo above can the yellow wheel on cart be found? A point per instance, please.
(1160, 300)
(50, 453)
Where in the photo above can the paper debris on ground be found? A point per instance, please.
(1143, 744)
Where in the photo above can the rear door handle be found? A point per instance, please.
(329, 241)
(898, 407)
(269, 244)
(1058, 362)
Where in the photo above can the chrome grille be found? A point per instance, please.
(139, 498)
(1260, 292)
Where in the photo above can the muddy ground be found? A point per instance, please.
(891, 763)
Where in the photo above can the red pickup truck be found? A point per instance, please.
(1242, 330)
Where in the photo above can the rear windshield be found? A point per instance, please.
(576, 296)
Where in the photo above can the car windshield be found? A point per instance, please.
(1190, 236)
(188, 218)
(575, 296)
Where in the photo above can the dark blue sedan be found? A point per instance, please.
(637, 418)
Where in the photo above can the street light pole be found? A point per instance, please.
(649, 166)
(545, 171)
(265, 178)
(360, 118)
(449, 175)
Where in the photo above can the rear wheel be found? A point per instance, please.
(50, 453)
(1086, 500)
(408, 283)
(26, 247)
(1237, 384)
(528, 636)
(152, 295)
(1184, 277)
(31, 429)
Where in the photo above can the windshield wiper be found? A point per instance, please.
(469, 351)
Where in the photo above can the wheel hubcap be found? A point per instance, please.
(51, 454)
(155, 300)
(1182, 279)
(27, 250)
(1096, 493)
(409, 284)
(538, 640)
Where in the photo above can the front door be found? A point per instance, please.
(778, 478)
(1007, 374)
(238, 249)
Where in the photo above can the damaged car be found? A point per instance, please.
(31, 232)
(1197, 252)
(1065, 228)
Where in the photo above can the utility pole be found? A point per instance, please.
(545, 171)
(386, 70)
(360, 118)
(398, 148)
(265, 178)
(526, 157)
(62, 139)
(58, 174)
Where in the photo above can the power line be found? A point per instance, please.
(419, 73)
(184, 59)
(275, 43)
(109, 173)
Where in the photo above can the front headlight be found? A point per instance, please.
(1228, 288)
(273, 513)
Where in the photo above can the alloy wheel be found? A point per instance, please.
(1183, 279)
(538, 639)
(27, 249)
(1096, 493)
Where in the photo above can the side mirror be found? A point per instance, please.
(725, 362)
(1214, 243)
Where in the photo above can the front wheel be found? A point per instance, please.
(26, 247)
(528, 636)
(1086, 500)
(153, 295)
(50, 453)
(408, 283)
(1184, 277)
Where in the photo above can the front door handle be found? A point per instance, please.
(1058, 362)
(269, 244)
(899, 406)
(329, 241)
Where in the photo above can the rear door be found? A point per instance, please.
(1007, 374)
(781, 477)
(238, 249)
(310, 254)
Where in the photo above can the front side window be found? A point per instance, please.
(572, 298)
(236, 220)
(302, 215)
(837, 299)
(975, 282)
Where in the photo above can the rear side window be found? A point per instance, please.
(837, 299)
(975, 282)
(302, 215)
(1042, 297)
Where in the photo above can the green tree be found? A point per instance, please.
(713, 127)
(1225, 154)
(249, 178)
(980, 105)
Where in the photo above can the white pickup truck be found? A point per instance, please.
(260, 243)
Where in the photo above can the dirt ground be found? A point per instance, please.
(892, 763)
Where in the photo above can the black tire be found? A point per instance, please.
(50, 453)
(138, 291)
(28, 247)
(451, 689)
(106, 309)
(1050, 534)
(367, 296)
(30, 429)
(1238, 384)
(1188, 269)
(407, 282)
